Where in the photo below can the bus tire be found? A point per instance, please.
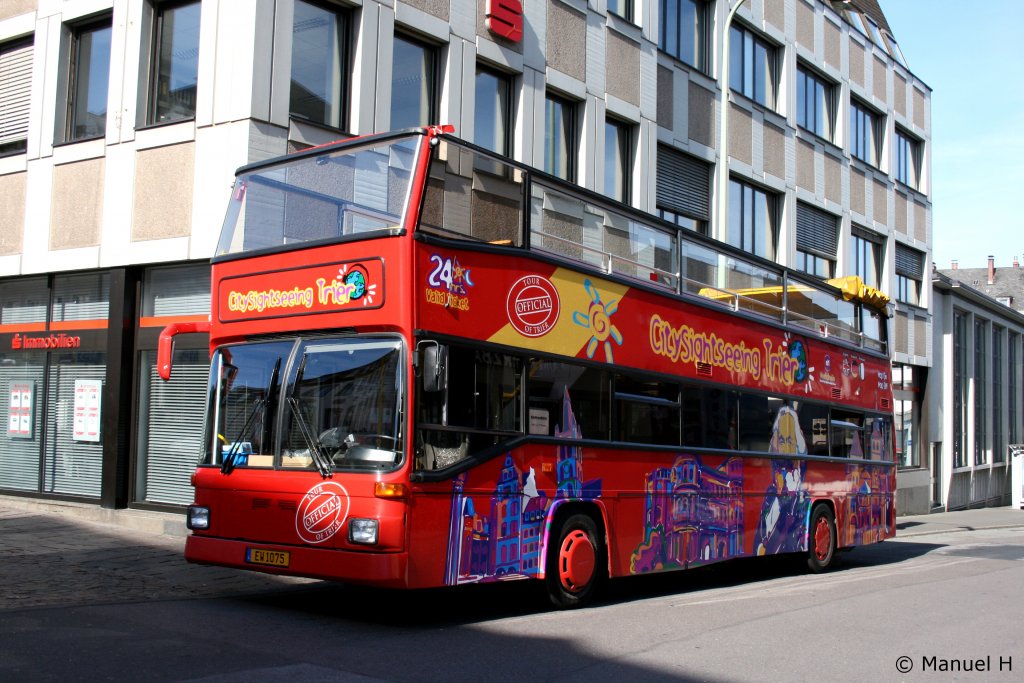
(821, 539)
(576, 564)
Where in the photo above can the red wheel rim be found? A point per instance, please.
(822, 539)
(576, 561)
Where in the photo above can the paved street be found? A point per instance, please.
(94, 600)
(56, 558)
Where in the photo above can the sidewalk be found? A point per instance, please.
(959, 520)
(61, 553)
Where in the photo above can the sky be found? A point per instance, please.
(970, 54)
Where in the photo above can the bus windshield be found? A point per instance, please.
(312, 198)
(339, 408)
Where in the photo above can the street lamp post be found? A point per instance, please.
(723, 127)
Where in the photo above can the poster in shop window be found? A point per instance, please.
(87, 410)
(20, 406)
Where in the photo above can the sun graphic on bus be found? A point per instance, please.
(597, 319)
(356, 280)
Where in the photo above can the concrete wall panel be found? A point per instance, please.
(12, 213)
(163, 192)
(622, 68)
(75, 214)
(805, 157)
(774, 151)
(741, 135)
(567, 40)
(702, 114)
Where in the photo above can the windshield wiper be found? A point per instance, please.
(229, 459)
(324, 464)
(258, 407)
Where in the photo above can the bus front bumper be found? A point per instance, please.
(387, 570)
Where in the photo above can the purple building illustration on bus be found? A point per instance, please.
(693, 514)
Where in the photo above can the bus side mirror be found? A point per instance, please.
(165, 344)
(435, 366)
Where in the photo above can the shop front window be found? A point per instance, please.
(21, 402)
(74, 438)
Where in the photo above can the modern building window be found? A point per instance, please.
(175, 62)
(1012, 354)
(865, 133)
(88, 76)
(904, 416)
(815, 104)
(413, 83)
(894, 50)
(908, 159)
(980, 390)
(998, 369)
(817, 237)
(560, 137)
(624, 8)
(866, 259)
(907, 289)
(814, 264)
(492, 122)
(753, 66)
(909, 273)
(960, 386)
(684, 31)
(752, 219)
(683, 189)
(15, 95)
(319, 83)
(618, 159)
(904, 388)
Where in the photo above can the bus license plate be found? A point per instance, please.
(271, 558)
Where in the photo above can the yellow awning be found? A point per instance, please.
(854, 289)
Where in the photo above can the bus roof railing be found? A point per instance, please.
(607, 260)
(706, 268)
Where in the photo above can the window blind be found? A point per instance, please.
(170, 434)
(15, 91)
(816, 230)
(909, 262)
(683, 184)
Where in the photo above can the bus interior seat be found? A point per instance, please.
(439, 457)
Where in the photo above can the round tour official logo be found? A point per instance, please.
(322, 512)
(532, 305)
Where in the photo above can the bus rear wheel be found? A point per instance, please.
(575, 562)
(821, 539)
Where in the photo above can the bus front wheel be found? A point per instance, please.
(821, 539)
(575, 562)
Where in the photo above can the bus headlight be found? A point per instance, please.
(362, 531)
(198, 517)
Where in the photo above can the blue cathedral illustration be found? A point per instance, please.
(505, 542)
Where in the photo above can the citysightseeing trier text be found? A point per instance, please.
(432, 366)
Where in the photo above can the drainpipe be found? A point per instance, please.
(723, 127)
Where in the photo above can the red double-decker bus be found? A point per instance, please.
(434, 366)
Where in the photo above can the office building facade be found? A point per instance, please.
(123, 121)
